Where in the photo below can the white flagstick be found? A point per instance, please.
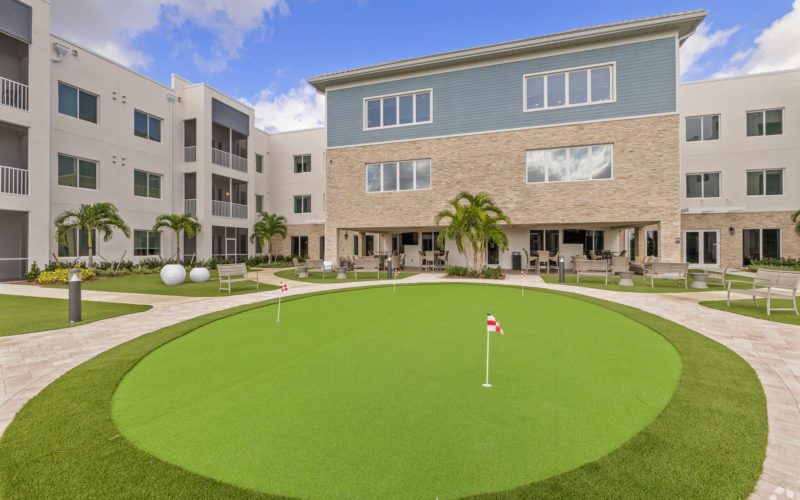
(279, 308)
(522, 283)
(396, 272)
(487, 384)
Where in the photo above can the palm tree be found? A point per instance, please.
(186, 222)
(488, 230)
(102, 217)
(458, 228)
(795, 216)
(265, 229)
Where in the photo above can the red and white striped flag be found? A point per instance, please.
(397, 272)
(284, 287)
(492, 325)
(522, 274)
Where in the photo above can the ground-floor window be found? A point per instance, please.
(760, 244)
(355, 244)
(300, 245)
(589, 238)
(146, 242)
(370, 242)
(429, 241)
(652, 243)
(77, 245)
(321, 247)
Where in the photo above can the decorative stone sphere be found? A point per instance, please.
(173, 274)
(199, 275)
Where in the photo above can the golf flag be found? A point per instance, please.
(284, 287)
(522, 283)
(522, 274)
(492, 325)
(396, 273)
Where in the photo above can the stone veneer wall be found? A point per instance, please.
(645, 187)
(313, 231)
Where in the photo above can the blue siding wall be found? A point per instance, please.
(490, 97)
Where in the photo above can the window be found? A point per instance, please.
(76, 172)
(702, 185)
(765, 122)
(651, 242)
(702, 128)
(146, 184)
(77, 103)
(760, 244)
(259, 163)
(146, 126)
(299, 245)
(355, 244)
(146, 242)
(77, 246)
(570, 164)
(302, 204)
(302, 163)
(568, 88)
(769, 182)
(259, 203)
(399, 176)
(398, 110)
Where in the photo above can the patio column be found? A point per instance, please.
(362, 244)
(640, 241)
(670, 240)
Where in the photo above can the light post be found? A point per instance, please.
(74, 280)
(560, 268)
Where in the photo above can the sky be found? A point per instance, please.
(262, 51)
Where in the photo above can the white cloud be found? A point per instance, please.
(700, 43)
(110, 27)
(300, 107)
(776, 48)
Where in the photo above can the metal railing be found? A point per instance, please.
(190, 154)
(225, 159)
(190, 206)
(227, 209)
(13, 94)
(13, 180)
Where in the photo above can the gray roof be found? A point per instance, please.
(684, 22)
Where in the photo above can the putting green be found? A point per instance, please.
(375, 394)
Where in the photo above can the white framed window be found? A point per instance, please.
(581, 163)
(302, 204)
(765, 182)
(702, 128)
(146, 242)
(146, 185)
(302, 163)
(146, 126)
(77, 172)
(77, 243)
(703, 185)
(579, 86)
(412, 175)
(765, 122)
(398, 110)
(78, 103)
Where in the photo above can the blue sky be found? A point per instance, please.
(261, 50)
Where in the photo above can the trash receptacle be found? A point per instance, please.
(516, 260)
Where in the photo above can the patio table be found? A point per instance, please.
(699, 281)
(341, 273)
(626, 278)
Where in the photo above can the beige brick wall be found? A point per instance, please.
(313, 231)
(645, 187)
(731, 245)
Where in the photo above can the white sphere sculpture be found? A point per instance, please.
(199, 275)
(173, 274)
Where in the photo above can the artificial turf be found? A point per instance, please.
(708, 442)
(36, 314)
(152, 284)
(661, 285)
(330, 277)
(749, 309)
(378, 394)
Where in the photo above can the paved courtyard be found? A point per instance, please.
(30, 362)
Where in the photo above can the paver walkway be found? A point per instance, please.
(30, 362)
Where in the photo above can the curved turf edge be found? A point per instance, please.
(709, 441)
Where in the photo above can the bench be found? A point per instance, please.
(301, 271)
(669, 271)
(367, 265)
(586, 267)
(770, 284)
(317, 265)
(228, 271)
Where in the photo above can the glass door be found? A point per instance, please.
(230, 249)
(492, 254)
(702, 248)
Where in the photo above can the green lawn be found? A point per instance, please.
(661, 285)
(151, 284)
(709, 440)
(36, 314)
(748, 309)
(315, 277)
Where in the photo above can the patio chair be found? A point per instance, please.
(430, 259)
(402, 261)
(717, 276)
(529, 263)
(543, 261)
(442, 259)
(619, 264)
(622, 253)
(298, 267)
(554, 259)
(395, 262)
(421, 260)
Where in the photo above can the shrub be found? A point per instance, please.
(783, 263)
(493, 273)
(472, 274)
(455, 270)
(33, 273)
(61, 275)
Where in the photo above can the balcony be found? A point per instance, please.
(190, 154)
(229, 210)
(13, 94)
(190, 206)
(225, 159)
(14, 180)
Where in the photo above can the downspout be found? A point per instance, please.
(171, 98)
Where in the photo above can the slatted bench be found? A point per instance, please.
(228, 271)
(586, 267)
(677, 271)
(769, 284)
(367, 265)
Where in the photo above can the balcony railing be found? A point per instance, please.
(13, 94)
(230, 210)
(13, 180)
(190, 206)
(225, 159)
(190, 154)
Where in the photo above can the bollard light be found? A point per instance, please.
(74, 282)
(560, 268)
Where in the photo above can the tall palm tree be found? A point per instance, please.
(265, 229)
(795, 217)
(488, 230)
(186, 222)
(101, 217)
(457, 229)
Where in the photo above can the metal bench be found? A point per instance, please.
(770, 284)
(669, 271)
(228, 271)
(586, 267)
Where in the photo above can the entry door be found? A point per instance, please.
(702, 248)
(492, 254)
(230, 248)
